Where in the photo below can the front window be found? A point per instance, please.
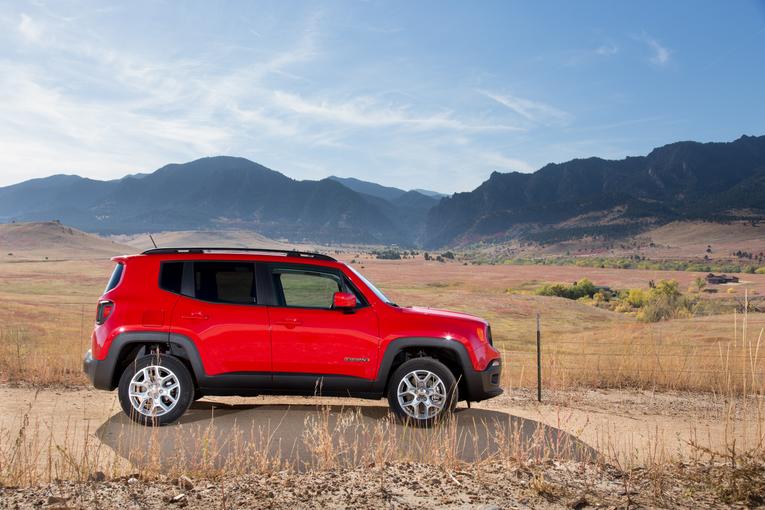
(306, 289)
(372, 287)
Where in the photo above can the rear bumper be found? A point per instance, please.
(98, 371)
(482, 385)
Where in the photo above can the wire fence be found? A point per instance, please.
(725, 366)
(44, 341)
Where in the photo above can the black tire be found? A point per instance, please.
(183, 395)
(423, 364)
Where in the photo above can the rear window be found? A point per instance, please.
(225, 282)
(114, 280)
(171, 276)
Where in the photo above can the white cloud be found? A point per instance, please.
(607, 50)
(503, 163)
(29, 29)
(661, 54)
(81, 102)
(366, 111)
(534, 111)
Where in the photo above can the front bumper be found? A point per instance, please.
(482, 385)
(97, 371)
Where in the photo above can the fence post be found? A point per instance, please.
(539, 362)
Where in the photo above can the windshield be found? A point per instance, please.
(372, 287)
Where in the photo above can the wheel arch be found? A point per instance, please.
(130, 345)
(450, 352)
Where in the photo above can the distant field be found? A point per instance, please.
(687, 240)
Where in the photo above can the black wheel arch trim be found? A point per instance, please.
(102, 373)
(474, 379)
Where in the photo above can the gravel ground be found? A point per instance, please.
(546, 485)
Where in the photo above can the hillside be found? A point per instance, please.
(53, 240)
(217, 193)
(598, 197)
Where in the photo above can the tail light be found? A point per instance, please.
(105, 309)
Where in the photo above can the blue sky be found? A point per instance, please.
(413, 94)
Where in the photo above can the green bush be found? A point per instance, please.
(388, 255)
(580, 289)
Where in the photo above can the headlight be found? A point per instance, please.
(495, 363)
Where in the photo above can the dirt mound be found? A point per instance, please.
(54, 240)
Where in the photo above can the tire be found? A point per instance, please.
(417, 407)
(163, 403)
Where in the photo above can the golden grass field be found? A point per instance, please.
(47, 310)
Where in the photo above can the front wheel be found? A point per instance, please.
(422, 391)
(156, 390)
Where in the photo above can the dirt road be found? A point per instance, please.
(302, 433)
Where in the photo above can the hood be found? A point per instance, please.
(446, 314)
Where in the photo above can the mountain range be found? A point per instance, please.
(578, 198)
(224, 193)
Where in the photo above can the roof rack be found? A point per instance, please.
(288, 253)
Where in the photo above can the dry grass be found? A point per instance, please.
(45, 330)
(46, 313)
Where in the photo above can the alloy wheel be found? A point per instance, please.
(422, 394)
(154, 391)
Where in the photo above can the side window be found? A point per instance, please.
(114, 280)
(171, 276)
(305, 289)
(225, 282)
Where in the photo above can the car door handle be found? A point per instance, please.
(195, 316)
(289, 323)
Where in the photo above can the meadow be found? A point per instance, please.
(47, 309)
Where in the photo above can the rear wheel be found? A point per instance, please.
(156, 390)
(422, 391)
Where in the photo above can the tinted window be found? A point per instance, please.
(115, 278)
(306, 289)
(171, 276)
(225, 282)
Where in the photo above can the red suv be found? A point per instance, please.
(177, 324)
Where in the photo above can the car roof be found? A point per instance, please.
(263, 254)
(203, 250)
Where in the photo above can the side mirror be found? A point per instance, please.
(343, 300)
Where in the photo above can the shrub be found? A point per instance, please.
(388, 255)
(578, 290)
(760, 270)
(636, 298)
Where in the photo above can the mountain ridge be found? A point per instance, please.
(718, 181)
(682, 180)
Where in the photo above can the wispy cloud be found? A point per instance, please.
(29, 29)
(661, 54)
(534, 111)
(503, 163)
(606, 50)
(366, 111)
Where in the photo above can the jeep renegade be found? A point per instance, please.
(176, 324)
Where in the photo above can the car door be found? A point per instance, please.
(309, 337)
(219, 311)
